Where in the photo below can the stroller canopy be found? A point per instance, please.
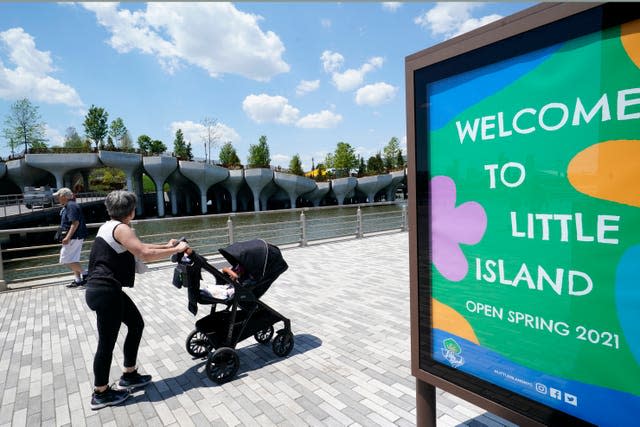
(262, 260)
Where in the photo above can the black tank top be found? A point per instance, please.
(109, 262)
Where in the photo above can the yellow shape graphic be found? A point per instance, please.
(447, 319)
(630, 38)
(608, 170)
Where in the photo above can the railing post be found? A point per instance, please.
(303, 229)
(3, 284)
(403, 227)
(359, 231)
(230, 230)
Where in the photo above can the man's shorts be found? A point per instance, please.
(71, 252)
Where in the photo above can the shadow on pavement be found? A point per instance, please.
(252, 357)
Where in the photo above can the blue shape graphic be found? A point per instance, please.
(628, 298)
(451, 96)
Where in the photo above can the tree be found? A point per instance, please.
(95, 124)
(157, 147)
(117, 131)
(110, 145)
(375, 165)
(400, 160)
(329, 160)
(388, 163)
(126, 143)
(181, 149)
(259, 156)
(228, 156)
(295, 165)
(72, 139)
(24, 125)
(344, 159)
(210, 136)
(107, 179)
(144, 142)
(362, 168)
(391, 151)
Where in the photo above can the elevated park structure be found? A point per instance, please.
(199, 188)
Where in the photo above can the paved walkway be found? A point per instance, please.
(348, 303)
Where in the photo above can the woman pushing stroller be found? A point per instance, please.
(112, 266)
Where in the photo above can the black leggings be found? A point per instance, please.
(113, 307)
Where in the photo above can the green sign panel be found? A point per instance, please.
(534, 169)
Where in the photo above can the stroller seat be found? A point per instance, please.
(205, 298)
(224, 295)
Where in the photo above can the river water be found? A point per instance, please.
(208, 233)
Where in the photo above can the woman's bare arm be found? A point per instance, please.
(146, 251)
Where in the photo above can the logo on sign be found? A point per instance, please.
(571, 399)
(541, 388)
(451, 351)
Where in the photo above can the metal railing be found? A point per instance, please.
(14, 204)
(39, 262)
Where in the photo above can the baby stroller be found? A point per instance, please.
(217, 334)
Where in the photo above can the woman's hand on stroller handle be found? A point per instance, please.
(182, 247)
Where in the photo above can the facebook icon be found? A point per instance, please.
(555, 393)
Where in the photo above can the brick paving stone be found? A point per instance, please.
(34, 420)
(337, 374)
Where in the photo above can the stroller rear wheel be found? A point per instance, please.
(283, 343)
(222, 365)
(264, 336)
(198, 344)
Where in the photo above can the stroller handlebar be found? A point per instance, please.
(182, 256)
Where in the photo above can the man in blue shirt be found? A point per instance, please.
(71, 221)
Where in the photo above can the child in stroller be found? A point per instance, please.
(255, 265)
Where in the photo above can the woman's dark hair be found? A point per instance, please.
(120, 204)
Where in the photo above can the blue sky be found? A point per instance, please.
(306, 75)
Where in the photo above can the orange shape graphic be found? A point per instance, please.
(630, 38)
(447, 319)
(608, 170)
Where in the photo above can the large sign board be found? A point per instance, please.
(526, 223)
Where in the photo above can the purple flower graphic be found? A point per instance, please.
(450, 226)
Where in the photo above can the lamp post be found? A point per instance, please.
(205, 151)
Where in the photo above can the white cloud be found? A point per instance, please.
(348, 80)
(29, 78)
(307, 86)
(452, 19)
(281, 160)
(365, 152)
(473, 23)
(54, 136)
(391, 6)
(331, 61)
(214, 36)
(195, 133)
(322, 120)
(326, 23)
(264, 108)
(351, 78)
(375, 94)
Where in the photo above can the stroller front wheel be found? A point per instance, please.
(198, 344)
(222, 365)
(283, 343)
(264, 336)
